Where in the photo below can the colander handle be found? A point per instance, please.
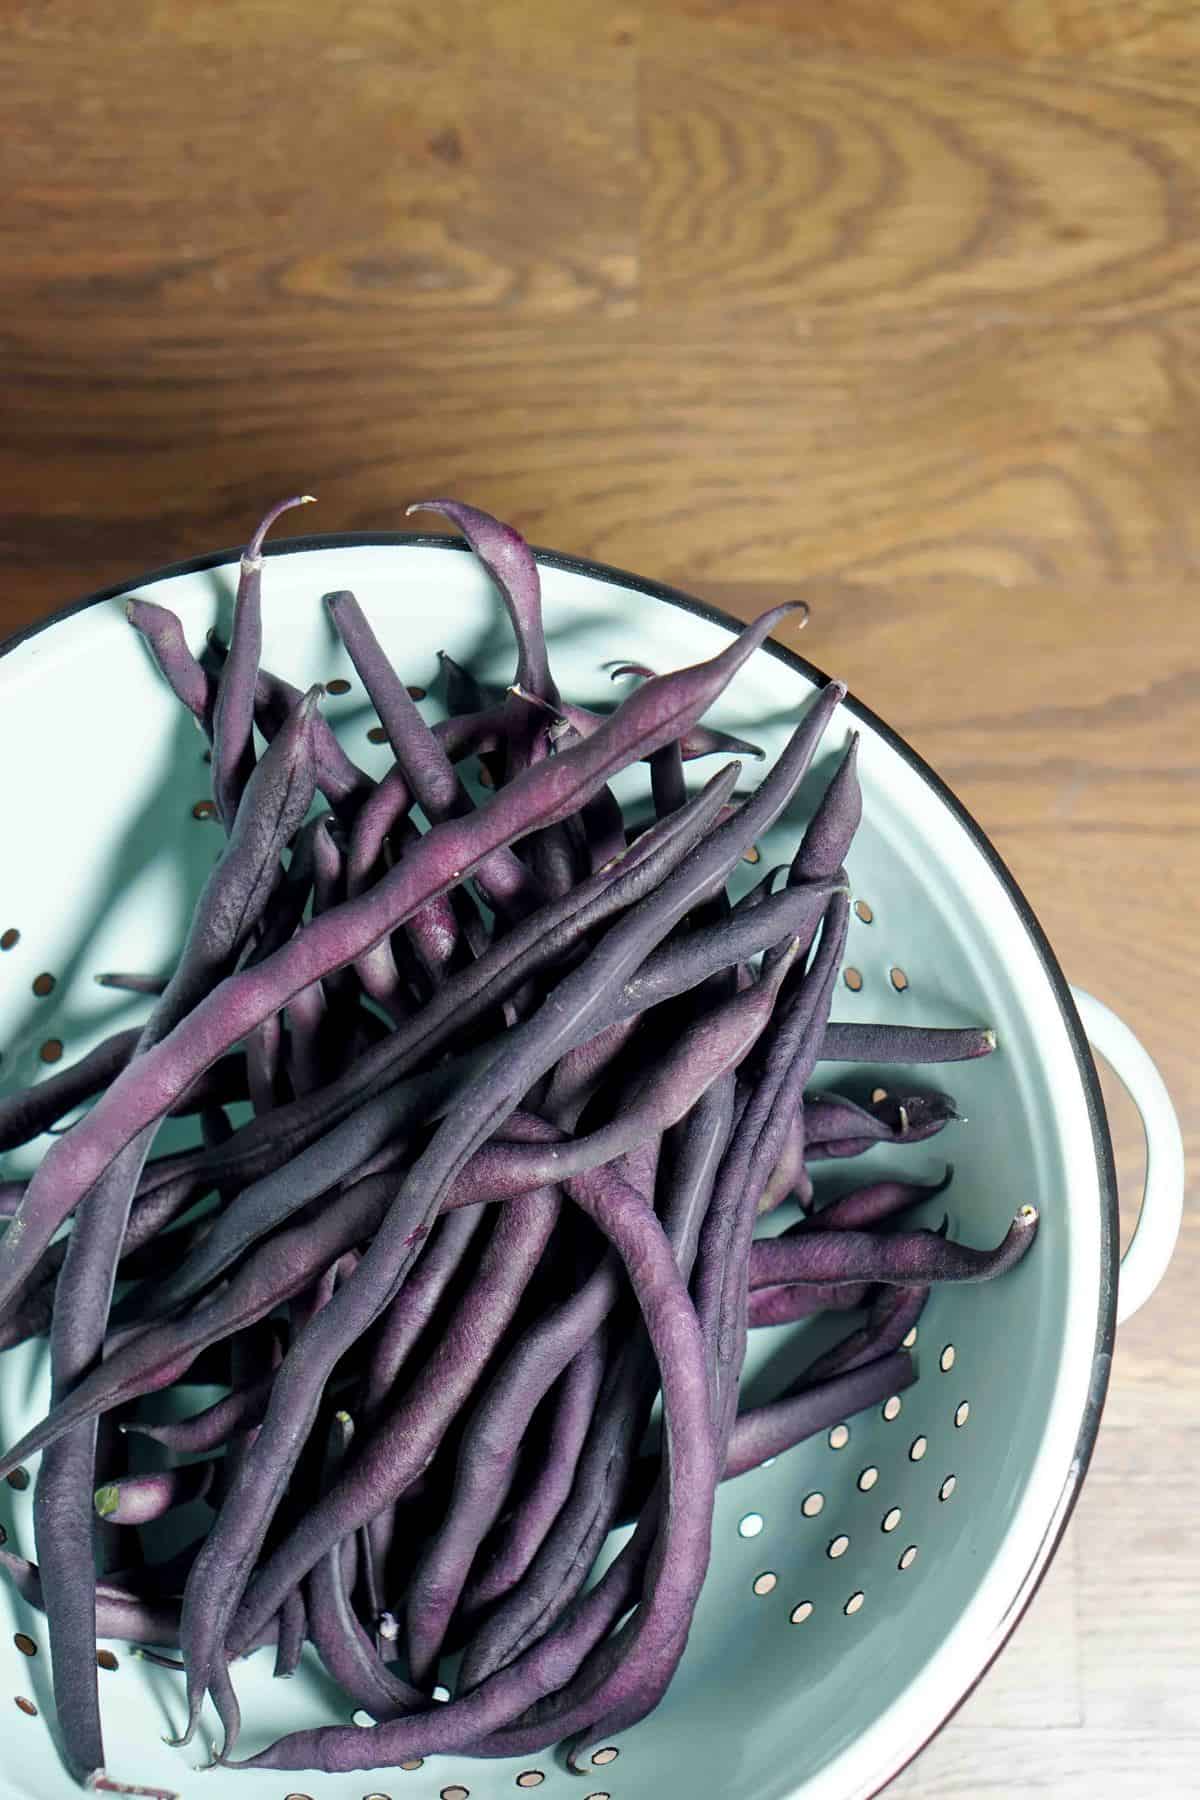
(1145, 1261)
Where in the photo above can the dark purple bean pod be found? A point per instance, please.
(830, 832)
(162, 632)
(442, 1258)
(26, 1114)
(893, 1314)
(341, 1643)
(904, 1258)
(233, 713)
(868, 1206)
(216, 1425)
(784, 1305)
(123, 1617)
(765, 1431)
(700, 741)
(502, 879)
(125, 983)
(139, 1499)
(789, 1176)
(513, 567)
(915, 1044)
(830, 1117)
(293, 1631)
(915, 1119)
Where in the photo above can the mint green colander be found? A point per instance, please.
(860, 1584)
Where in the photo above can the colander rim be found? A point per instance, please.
(1109, 1222)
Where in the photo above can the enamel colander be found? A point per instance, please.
(862, 1583)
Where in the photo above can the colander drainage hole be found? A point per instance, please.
(751, 1525)
(907, 1557)
(868, 1478)
(917, 1448)
(752, 855)
(43, 984)
(416, 693)
(340, 686)
(812, 1504)
(839, 1545)
(599, 1797)
(106, 1660)
(891, 1519)
(297, 1797)
(802, 1612)
(962, 1413)
(204, 810)
(891, 1408)
(530, 1779)
(51, 1050)
(899, 979)
(855, 1603)
(878, 1096)
(766, 1583)
(946, 1359)
(377, 735)
(411, 1764)
(19, 1479)
(10, 938)
(865, 911)
(908, 1342)
(456, 1793)
(603, 1757)
(25, 1644)
(839, 1437)
(27, 1707)
(853, 980)
(948, 1486)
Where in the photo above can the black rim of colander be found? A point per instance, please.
(1109, 1222)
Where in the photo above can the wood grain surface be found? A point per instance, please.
(895, 307)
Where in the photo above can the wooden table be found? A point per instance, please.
(893, 306)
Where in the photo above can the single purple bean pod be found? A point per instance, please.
(830, 832)
(233, 713)
(868, 1206)
(216, 1425)
(700, 741)
(894, 1312)
(900, 1260)
(913, 1120)
(765, 1431)
(26, 1114)
(502, 879)
(442, 1258)
(784, 1305)
(513, 567)
(139, 1499)
(293, 1631)
(914, 1044)
(789, 1176)
(340, 1640)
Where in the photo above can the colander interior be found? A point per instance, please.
(859, 1582)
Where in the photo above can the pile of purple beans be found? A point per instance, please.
(522, 1079)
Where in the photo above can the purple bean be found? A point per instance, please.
(293, 1630)
(868, 1206)
(512, 565)
(139, 1499)
(409, 1314)
(233, 713)
(915, 1119)
(216, 1425)
(765, 1431)
(784, 1304)
(789, 1176)
(900, 1260)
(340, 1640)
(914, 1044)
(893, 1314)
(25, 1115)
(830, 832)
